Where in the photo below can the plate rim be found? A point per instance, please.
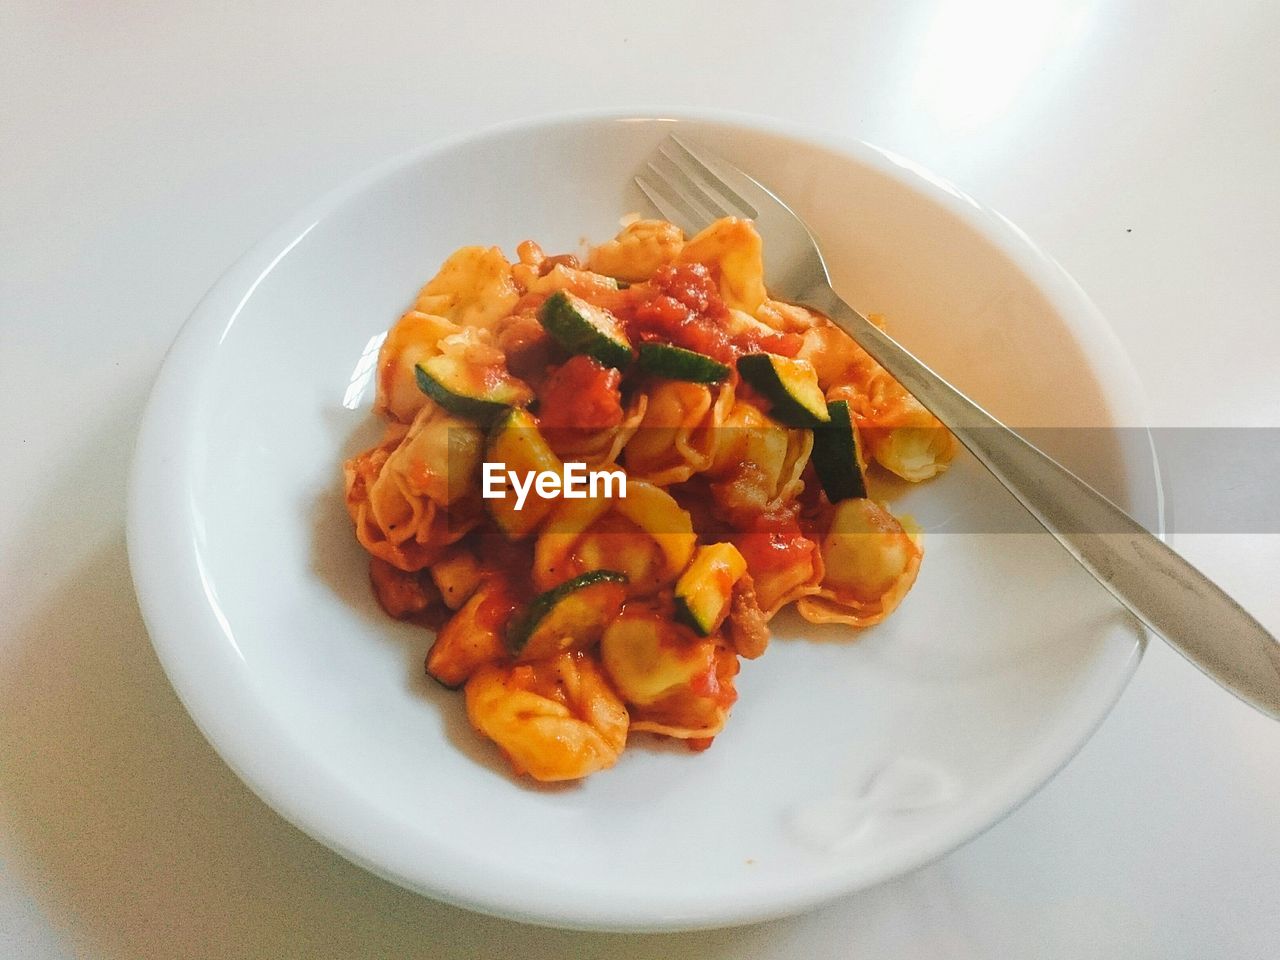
(158, 556)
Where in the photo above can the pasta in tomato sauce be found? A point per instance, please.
(748, 433)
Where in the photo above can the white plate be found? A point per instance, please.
(844, 763)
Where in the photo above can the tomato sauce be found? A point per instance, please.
(783, 344)
(682, 305)
(498, 605)
(705, 684)
(581, 393)
(775, 542)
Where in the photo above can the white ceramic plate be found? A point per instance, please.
(844, 763)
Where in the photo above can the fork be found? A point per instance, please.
(692, 187)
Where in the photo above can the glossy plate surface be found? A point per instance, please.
(844, 763)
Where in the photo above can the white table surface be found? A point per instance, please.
(144, 145)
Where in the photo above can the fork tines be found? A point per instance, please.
(690, 187)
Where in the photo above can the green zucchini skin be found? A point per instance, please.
(837, 455)
(791, 389)
(677, 363)
(684, 614)
(439, 378)
(581, 327)
(561, 611)
(704, 591)
(515, 441)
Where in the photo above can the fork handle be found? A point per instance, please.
(1162, 589)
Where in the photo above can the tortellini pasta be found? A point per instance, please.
(697, 711)
(414, 495)
(788, 317)
(679, 432)
(870, 559)
(591, 286)
(677, 683)
(832, 354)
(734, 247)
(413, 339)
(757, 464)
(638, 251)
(914, 451)
(574, 622)
(897, 431)
(558, 719)
(649, 658)
(474, 288)
(645, 535)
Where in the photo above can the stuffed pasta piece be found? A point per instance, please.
(415, 338)
(757, 464)
(896, 430)
(645, 535)
(678, 435)
(733, 248)
(414, 494)
(474, 288)
(743, 428)
(677, 683)
(557, 719)
(870, 560)
(637, 252)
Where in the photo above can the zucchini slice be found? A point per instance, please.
(478, 394)
(517, 444)
(677, 363)
(837, 455)
(791, 386)
(581, 327)
(705, 589)
(570, 616)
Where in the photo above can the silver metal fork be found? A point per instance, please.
(691, 187)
